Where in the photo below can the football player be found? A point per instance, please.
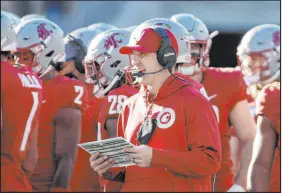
(226, 90)
(153, 120)
(64, 101)
(76, 45)
(259, 52)
(104, 65)
(21, 99)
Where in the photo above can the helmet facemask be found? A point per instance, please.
(94, 74)
(260, 68)
(198, 59)
(29, 57)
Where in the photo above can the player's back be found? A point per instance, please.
(21, 98)
(60, 92)
(112, 105)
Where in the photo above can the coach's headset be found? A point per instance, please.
(166, 54)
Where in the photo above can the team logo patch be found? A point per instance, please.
(276, 38)
(112, 40)
(43, 33)
(165, 118)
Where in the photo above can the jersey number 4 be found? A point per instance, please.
(116, 103)
(30, 119)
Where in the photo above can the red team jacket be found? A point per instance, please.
(186, 149)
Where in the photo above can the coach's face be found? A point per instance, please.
(146, 63)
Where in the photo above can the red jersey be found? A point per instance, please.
(112, 106)
(60, 92)
(225, 88)
(82, 169)
(180, 134)
(21, 98)
(268, 104)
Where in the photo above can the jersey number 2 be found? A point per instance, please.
(80, 91)
(30, 119)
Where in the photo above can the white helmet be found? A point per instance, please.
(15, 17)
(180, 33)
(101, 26)
(43, 38)
(32, 16)
(8, 22)
(103, 62)
(198, 34)
(76, 45)
(261, 40)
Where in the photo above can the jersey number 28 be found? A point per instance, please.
(116, 103)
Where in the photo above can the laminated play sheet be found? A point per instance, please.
(113, 148)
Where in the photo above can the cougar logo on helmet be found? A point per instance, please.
(276, 38)
(43, 33)
(163, 25)
(111, 41)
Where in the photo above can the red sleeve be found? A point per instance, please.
(204, 149)
(268, 103)
(238, 90)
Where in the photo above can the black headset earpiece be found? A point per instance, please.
(166, 54)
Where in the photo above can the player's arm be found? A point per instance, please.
(30, 161)
(263, 155)
(203, 155)
(67, 124)
(111, 127)
(244, 125)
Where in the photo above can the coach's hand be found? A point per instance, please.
(141, 155)
(101, 164)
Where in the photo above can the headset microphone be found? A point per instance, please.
(139, 74)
